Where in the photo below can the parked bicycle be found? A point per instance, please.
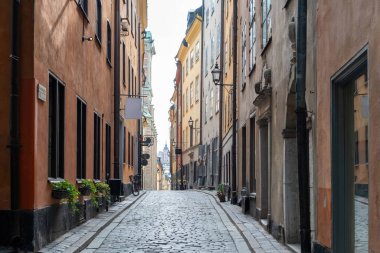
(135, 180)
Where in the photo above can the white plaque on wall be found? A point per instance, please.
(41, 92)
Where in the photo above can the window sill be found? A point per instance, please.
(53, 180)
(98, 41)
(266, 46)
(252, 195)
(85, 15)
(252, 70)
(109, 63)
(286, 4)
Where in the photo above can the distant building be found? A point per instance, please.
(148, 122)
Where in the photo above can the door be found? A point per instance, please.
(350, 175)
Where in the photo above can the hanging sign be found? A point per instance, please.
(133, 108)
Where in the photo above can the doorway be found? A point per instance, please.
(350, 177)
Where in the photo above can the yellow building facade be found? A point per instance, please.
(189, 55)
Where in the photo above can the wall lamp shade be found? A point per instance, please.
(216, 74)
(191, 122)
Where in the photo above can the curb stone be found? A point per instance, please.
(87, 238)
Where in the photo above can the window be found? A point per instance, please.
(84, 6)
(129, 148)
(217, 99)
(266, 24)
(206, 108)
(197, 88)
(132, 78)
(191, 94)
(252, 35)
(225, 57)
(183, 104)
(197, 51)
(211, 102)
(135, 31)
(206, 61)
(191, 59)
(108, 151)
(187, 99)
(124, 64)
(129, 75)
(218, 35)
(127, 8)
(132, 18)
(136, 90)
(196, 132)
(207, 17)
(125, 144)
(187, 66)
(98, 23)
(244, 51)
(56, 134)
(96, 146)
(81, 139)
(212, 59)
(109, 44)
(132, 151)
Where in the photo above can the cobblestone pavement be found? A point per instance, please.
(171, 221)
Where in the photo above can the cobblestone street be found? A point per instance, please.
(170, 221)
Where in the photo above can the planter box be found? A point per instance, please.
(60, 194)
(84, 191)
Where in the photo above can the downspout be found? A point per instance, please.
(201, 86)
(117, 90)
(139, 125)
(221, 64)
(302, 136)
(201, 79)
(234, 106)
(15, 107)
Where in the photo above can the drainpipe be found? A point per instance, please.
(221, 64)
(139, 125)
(201, 77)
(117, 90)
(14, 110)
(234, 106)
(302, 136)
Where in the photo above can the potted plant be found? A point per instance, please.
(64, 190)
(220, 193)
(103, 190)
(86, 188)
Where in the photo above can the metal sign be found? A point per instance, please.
(133, 108)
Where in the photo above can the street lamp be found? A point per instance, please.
(216, 78)
(216, 73)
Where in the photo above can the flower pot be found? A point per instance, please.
(60, 194)
(84, 191)
(222, 197)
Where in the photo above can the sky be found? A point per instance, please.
(167, 21)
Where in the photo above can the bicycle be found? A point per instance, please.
(135, 180)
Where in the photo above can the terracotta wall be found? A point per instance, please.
(82, 67)
(344, 27)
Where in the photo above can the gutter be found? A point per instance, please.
(221, 64)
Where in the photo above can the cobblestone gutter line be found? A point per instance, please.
(80, 237)
(254, 235)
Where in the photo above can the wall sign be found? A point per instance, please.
(41, 92)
